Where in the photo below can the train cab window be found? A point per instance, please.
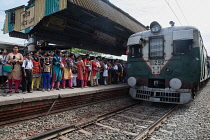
(135, 51)
(156, 48)
(182, 46)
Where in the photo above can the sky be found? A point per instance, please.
(189, 12)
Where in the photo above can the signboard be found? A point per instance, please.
(27, 18)
(155, 69)
(104, 38)
(55, 23)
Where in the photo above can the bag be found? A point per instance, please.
(96, 69)
(89, 68)
(7, 68)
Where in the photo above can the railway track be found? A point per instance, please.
(136, 121)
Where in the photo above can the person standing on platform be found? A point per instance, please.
(115, 72)
(99, 71)
(109, 71)
(101, 61)
(27, 67)
(51, 56)
(87, 69)
(120, 71)
(56, 70)
(15, 59)
(80, 71)
(36, 70)
(47, 69)
(95, 68)
(74, 70)
(105, 72)
(3, 58)
(124, 71)
(67, 71)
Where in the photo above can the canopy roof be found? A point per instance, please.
(95, 25)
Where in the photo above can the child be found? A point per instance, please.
(105, 73)
(47, 70)
(67, 71)
(27, 74)
(36, 70)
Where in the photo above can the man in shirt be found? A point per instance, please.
(27, 74)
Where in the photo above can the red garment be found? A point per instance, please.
(86, 70)
(36, 68)
(80, 70)
(94, 64)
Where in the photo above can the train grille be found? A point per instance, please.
(168, 97)
(142, 94)
(163, 96)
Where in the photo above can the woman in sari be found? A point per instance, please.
(56, 71)
(15, 59)
(94, 71)
(87, 69)
(80, 71)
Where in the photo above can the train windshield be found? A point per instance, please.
(156, 48)
(182, 46)
(135, 51)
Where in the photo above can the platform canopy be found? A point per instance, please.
(95, 25)
(9, 46)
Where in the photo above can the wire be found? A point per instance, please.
(182, 12)
(173, 12)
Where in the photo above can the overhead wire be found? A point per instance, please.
(182, 12)
(173, 12)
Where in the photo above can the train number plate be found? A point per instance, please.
(157, 62)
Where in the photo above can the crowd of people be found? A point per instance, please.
(47, 71)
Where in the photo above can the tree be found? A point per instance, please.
(76, 50)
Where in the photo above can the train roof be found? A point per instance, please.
(165, 31)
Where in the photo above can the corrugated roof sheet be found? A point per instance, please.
(111, 12)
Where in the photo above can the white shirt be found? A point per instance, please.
(115, 67)
(27, 64)
(105, 73)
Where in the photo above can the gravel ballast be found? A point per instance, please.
(190, 122)
(42, 124)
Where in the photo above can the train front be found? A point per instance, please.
(162, 64)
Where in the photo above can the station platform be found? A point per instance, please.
(30, 105)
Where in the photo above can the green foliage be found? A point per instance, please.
(76, 50)
(110, 57)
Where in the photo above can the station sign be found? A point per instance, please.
(104, 38)
(55, 23)
(27, 18)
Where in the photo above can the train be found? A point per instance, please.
(167, 65)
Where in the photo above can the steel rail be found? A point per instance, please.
(23, 119)
(68, 128)
(143, 135)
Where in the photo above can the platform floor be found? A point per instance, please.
(16, 98)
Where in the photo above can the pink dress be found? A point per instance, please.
(80, 70)
(86, 70)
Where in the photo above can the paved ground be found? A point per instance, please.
(63, 93)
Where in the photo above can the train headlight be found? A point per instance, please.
(175, 83)
(132, 81)
(155, 27)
